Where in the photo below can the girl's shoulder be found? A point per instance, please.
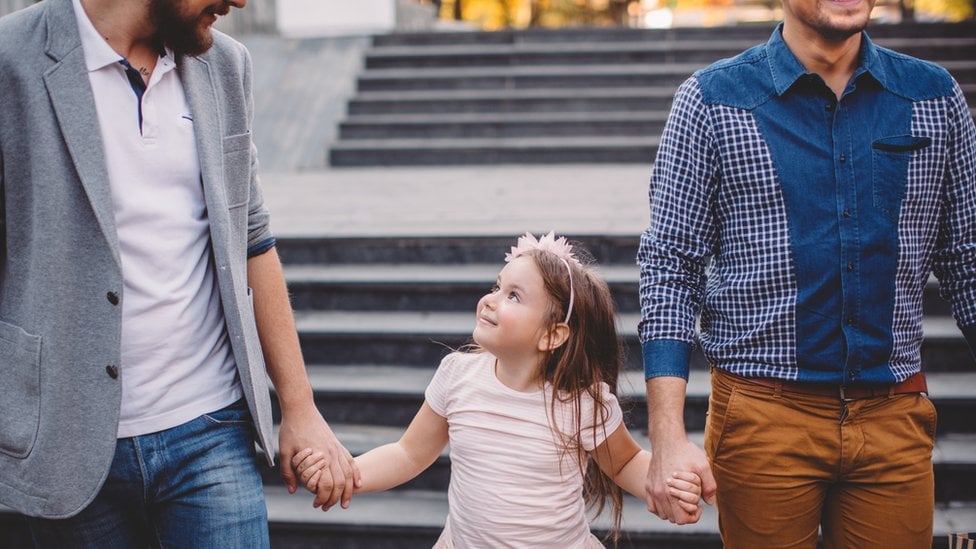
(461, 359)
(461, 364)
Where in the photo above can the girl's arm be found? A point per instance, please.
(623, 460)
(392, 464)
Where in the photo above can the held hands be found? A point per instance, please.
(339, 474)
(662, 480)
(310, 464)
(685, 489)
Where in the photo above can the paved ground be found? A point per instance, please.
(574, 200)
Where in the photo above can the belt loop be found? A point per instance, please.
(891, 390)
(778, 391)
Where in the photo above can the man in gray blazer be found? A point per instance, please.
(142, 302)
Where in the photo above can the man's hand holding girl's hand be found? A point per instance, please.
(339, 474)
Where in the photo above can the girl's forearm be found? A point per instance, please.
(633, 475)
(388, 466)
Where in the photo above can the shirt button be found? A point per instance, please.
(830, 107)
(847, 214)
(850, 267)
(852, 374)
(850, 321)
(843, 159)
(112, 298)
(112, 371)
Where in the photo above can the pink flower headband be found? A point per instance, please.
(556, 246)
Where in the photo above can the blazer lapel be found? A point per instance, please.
(74, 106)
(200, 93)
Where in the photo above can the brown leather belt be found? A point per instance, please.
(914, 384)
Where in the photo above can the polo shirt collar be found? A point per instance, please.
(98, 54)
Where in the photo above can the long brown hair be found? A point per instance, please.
(591, 354)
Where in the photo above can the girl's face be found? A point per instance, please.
(513, 318)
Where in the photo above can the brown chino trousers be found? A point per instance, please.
(788, 464)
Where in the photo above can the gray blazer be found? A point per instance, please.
(60, 275)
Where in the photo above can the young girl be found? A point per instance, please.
(524, 413)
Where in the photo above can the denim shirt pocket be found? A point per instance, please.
(890, 157)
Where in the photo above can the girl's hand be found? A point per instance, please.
(309, 465)
(685, 487)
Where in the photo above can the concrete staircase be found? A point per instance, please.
(375, 316)
(557, 96)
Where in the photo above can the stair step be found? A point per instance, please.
(417, 287)
(567, 76)
(447, 287)
(953, 458)
(502, 125)
(422, 338)
(548, 76)
(523, 150)
(408, 519)
(622, 99)
(582, 53)
(390, 395)
(405, 251)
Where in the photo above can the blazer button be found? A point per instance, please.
(113, 298)
(112, 371)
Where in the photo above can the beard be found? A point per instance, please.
(185, 34)
(839, 33)
(839, 27)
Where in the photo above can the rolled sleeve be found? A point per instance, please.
(674, 249)
(666, 358)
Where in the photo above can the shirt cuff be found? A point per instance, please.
(970, 333)
(261, 247)
(666, 357)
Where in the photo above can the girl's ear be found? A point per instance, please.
(554, 338)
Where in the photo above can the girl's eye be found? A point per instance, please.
(514, 297)
(494, 289)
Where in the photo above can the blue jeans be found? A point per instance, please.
(195, 485)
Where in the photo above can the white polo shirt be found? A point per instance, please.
(176, 358)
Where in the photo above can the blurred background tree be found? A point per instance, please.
(503, 14)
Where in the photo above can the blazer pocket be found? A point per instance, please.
(20, 390)
(237, 169)
(890, 157)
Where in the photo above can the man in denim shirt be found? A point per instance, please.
(802, 194)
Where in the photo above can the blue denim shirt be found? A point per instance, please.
(800, 230)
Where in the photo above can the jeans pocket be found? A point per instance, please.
(236, 414)
(890, 157)
(20, 401)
